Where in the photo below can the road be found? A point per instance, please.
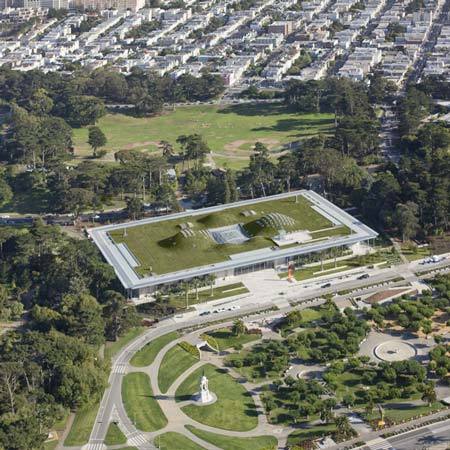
(438, 433)
(111, 405)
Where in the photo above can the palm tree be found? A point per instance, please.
(211, 279)
(187, 287)
(238, 328)
(167, 149)
(343, 428)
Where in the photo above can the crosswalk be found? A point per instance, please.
(379, 444)
(95, 446)
(120, 368)
(136, 439)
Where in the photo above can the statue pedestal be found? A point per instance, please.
(200, 399)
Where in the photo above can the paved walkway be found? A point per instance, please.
(173, 409)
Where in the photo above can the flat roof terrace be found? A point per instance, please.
(194, 243)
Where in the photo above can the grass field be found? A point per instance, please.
(305, 273)
(399, 411)
(140, 404)
(82, 426)
(146, 355)
(418, 253)
(161, 247)
(234, 408)
(309, 432)
(229, 131)
(226, 339)
(112, 348)
(175, 441)
(114, 436)
(175, 362)
(204, 295)
(235, 443)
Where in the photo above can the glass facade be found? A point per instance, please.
(254, 267)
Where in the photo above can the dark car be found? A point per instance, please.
(363, 276)
(326, 285)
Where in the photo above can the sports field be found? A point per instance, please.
(182, 243)
(230, 131)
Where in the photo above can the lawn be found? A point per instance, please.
(230, 131)
(306, 273)
(226, 339)
(162, 247)
(234, 408)
(114, 436)
(112, 348)
(398, 411)
(82, 426)
(309, 432)
(235, 443)
(175, 362)
(175, 441)
(204, 295)
(417, 253)
(146, 355)
(140, 404)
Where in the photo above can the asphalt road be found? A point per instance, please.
(438, 433)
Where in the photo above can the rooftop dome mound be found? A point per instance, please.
(270, 223)
(218, 220)
(186, 239)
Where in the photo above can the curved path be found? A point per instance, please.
(111, 407)
(177, 419)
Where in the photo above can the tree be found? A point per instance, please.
(40, 103)
(326, 410)
(343, 428)
(426, 327)
(407, 220)
(167, 149)
(135, 208)
(429, 394)
(81, 316)
(238, 327)
(6, 193)
(83, 110)
(119, 316)
(96, 139)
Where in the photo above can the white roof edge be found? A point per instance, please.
(130, 280)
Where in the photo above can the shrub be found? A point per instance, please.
(192, 349)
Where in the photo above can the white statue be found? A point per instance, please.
(205, 395)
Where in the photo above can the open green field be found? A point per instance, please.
(175, 441)
(181, 243)
(229, 131)
(175, 362)
(146, 355)
(234, 408)
(140, 404)
(81, 428)
(226, 339)
(235, 443)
